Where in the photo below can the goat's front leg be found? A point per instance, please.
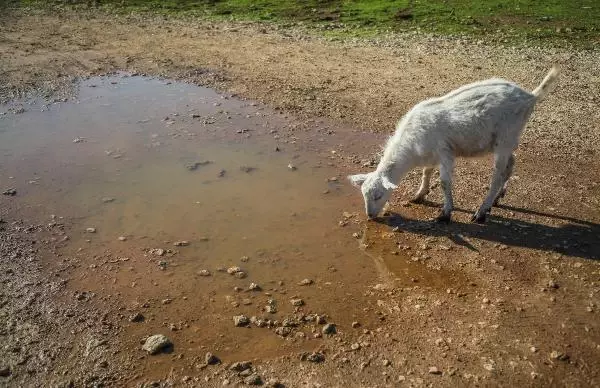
(446, 170)
(424, 188)
(498, 180)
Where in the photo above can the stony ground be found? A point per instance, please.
(525, 311)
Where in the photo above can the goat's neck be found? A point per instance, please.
(396, 165)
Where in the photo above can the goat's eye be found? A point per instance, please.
(377, 196)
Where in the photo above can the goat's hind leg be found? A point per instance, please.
(424, 188)
(507, 175)
(498, 180)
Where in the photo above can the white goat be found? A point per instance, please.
(473, 120)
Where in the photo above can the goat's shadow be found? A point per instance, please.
(577, 238)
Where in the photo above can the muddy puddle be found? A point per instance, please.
(163, 186)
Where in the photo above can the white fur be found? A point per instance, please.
(476, 119)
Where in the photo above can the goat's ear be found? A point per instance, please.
(358, 179)
(388, 184)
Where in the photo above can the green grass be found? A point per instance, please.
(575, 21)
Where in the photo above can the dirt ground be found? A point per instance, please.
(525, 310)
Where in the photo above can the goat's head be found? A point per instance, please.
(376, 188)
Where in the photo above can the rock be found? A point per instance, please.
(157, 343)
(253, 380)
(222, 173)
(108, 199)
(355, 325)
(297, 302)
(433, 370)
(182, 243)
(254, 287)
(122, 238)
(552, 284)
(157, 251)
(329, 329)
(292, 167)
(321, 319)
(204, 272)
(241, 320)
(283, 331)
(305, 282)
(271, 309)
(556, 355)
(240, 274)
(10, 192)
(312, 357)
(167, 301)
(90, 230)
(244, 259)
(233, 270)
(194, 166)
(247, 169)
(240, 366)
(355, 346)
(5, 371)
(137, 317)
(386, 362)
(211, 359)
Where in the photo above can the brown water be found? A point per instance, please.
(132, 140)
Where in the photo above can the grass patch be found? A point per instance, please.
(575, 21)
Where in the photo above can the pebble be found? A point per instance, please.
(283, 331)
(254, 287)
(329, 329)
(297, 302)
(211, 359)
(240, 274)
(5, 371)
(240, 366)
(166, 301)
(137, 317)
(156, 343)
(355, 346)
(108, 199)
(271, 309)
(122, 238)
(387, 362)
(552, 284)
(305, 282)
(556, 355)
(321, 319)
(90, 230)
(292, 167)
(253, 380)
(313, 357)
(241, 320)
(434, 370)
(182, 243)
(233, 270)
(355, 325)
(157, 251)
(204, 272)
(11, 192)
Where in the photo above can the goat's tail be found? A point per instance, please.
(547, 84)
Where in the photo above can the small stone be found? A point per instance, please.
(556, 355)
(329, 329)
(240, 366)
(552, 284)
(233, 270)
(355, 346)
(167, 301)
(182, 243)
(313, 357)
(434, 370)
(297, 302)
(485, 301)
(355, 325)
(253, 380)
(305, 282)
(10, 192)
(254, 287)
(90, 230)
(533, 349)
(244, 259)
(292, 167)
(241, 320)
(108, 199)
(204, 272)
(211, 359)
(122, 238)
(156, 343)
(283, 331)
(5, 371)
(137, 317)
(271, 309)
(157, 251)
(321, 319)
(386, 362)
(240, 274)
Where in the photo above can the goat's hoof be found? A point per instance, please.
(479, 217)
(443, 218)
